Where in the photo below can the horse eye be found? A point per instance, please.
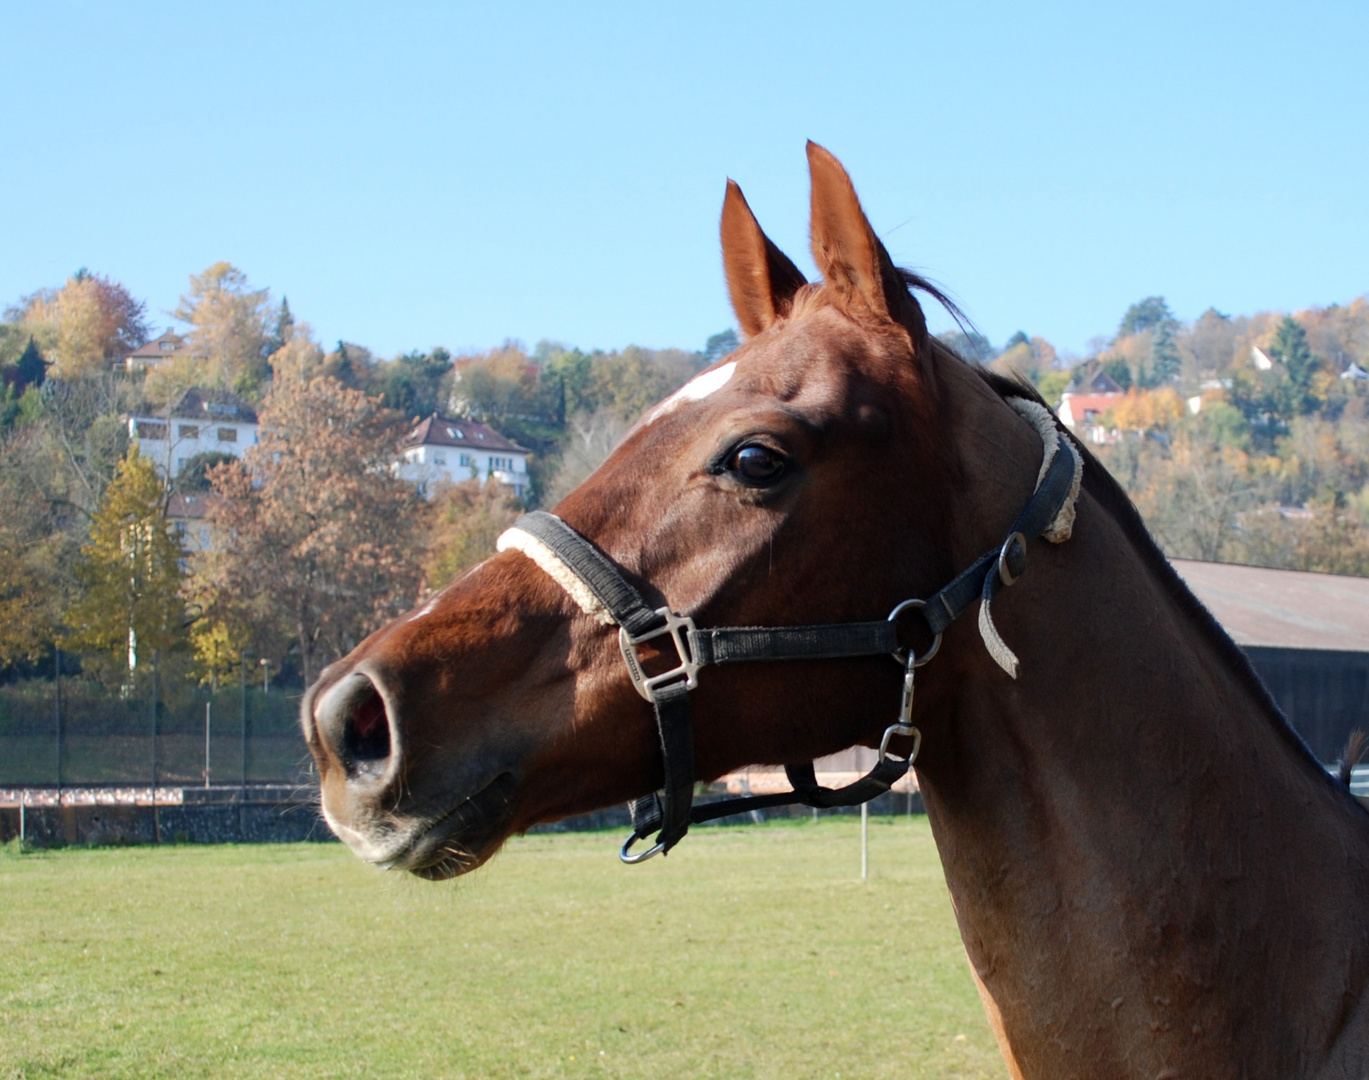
(757, 465)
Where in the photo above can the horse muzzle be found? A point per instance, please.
(376, 805)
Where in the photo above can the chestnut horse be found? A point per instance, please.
(1152, 876)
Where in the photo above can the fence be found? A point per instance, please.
(76, 731)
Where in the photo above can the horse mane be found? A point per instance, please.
(1115, 502)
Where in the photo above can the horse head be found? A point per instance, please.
(807, 478)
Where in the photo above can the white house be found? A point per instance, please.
(441, 449)
(201, 421)
(1084, 403)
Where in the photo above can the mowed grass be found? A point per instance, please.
(753, 951)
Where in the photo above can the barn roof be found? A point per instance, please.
(1283, 608)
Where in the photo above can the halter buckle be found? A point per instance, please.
(678, 628)
(1012, 559)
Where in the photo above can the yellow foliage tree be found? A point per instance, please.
(85, 325)
(230, 326)
(131, 602)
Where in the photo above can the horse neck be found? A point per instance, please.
(1129, 822)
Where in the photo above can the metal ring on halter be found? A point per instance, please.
(902, 655)
(641, 856)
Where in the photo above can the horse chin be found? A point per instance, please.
(452, 843)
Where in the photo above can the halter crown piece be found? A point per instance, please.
(601, 590)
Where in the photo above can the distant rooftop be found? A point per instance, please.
(201, 403)
(1283, 608)
(163, 347)
(443, 431)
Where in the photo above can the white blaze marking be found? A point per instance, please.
(696, 389)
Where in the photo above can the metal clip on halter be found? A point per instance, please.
(904, 725)
(678, 627)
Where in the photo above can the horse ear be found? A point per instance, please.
(845, 248)
(760, 277)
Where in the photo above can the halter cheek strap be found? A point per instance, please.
(600, 588)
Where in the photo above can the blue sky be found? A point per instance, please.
(421, 174)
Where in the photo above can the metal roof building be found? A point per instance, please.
(1306, 634)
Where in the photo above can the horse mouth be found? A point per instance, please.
(459, 840)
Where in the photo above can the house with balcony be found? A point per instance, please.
(444, 450)
(201, 421)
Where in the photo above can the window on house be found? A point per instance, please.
(464, 460)
(188, 431)
(439, 459)
(456, 433)
(150, 429)
(228, 434)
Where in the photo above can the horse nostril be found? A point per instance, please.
(368, 735)
(351, 719)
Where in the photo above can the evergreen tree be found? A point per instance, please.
(1116, 368)
(30, 369)
(719, 345)
(1164, 357)
(1290, 346)
(130, 569)
(1148, 314)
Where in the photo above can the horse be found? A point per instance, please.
(1151, 874)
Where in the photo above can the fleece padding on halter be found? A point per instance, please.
(1057, 530)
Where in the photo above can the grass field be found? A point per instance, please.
(750, 952)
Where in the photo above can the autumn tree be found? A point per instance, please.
(467, 519)
(316, 541)
(231, 327)
(130, 569)
(86, 325)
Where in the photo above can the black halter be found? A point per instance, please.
(671, 810)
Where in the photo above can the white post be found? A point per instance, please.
(864, 841)
(21, 821)
(207, 706)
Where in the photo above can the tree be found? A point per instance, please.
(467, 519)
(1290, 346)
(230, 326)
(1164, 357)
(315, 538)
(1119, 371)
(1148, 314)
(130, 569)
(87, 324)
(194, 474)
(411, 383)
(29, 370)
(719, 345)
(968, 345)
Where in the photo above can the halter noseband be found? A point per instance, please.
(602, 591)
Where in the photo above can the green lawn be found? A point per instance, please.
(749, 952)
